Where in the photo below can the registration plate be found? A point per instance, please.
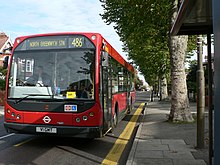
(46, 129)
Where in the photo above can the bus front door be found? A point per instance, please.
(105, 96)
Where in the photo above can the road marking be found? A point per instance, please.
(2, 137)
(19, 144)
(16, 145)
(115, 153)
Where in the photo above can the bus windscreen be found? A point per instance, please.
(53, 66)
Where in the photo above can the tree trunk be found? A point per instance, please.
(180, 110)
(163, 88)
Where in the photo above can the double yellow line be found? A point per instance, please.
(115, 153)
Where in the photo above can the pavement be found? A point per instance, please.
(159, 142)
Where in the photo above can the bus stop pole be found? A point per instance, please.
(216, 30)
(210, 102)
(200, 95)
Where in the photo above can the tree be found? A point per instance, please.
(179, 103)
(144, 29)
(3, 73)
(179, 99)
(138, 83)
(144, 35)
(191, 76)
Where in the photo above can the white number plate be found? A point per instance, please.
(46, 129)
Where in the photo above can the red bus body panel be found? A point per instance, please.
(120, 98)
(69, 119)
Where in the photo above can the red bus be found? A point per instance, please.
(70, 84)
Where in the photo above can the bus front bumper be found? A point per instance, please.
(82, 132)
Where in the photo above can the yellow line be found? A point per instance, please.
(19, 144)
(115, 153)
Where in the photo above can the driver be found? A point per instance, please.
(39, 78)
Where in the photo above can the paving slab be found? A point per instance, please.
(173, 141)
(149, 154)
(160, 142)
(188, 162)
(183, 155)
(150, 141)
(146, 161)
(152, 147)
(181, 147)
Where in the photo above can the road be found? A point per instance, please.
(31, 149)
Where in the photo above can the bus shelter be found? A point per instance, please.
(203, 17)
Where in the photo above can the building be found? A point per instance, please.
(5, 44)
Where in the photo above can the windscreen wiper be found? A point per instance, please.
(23, 98)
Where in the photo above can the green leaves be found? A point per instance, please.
(143, 26)
(3, 73)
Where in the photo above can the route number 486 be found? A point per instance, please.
(77, 42)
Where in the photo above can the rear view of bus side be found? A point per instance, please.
(67, 84)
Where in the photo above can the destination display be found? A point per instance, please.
(56, 42)
(46, 42)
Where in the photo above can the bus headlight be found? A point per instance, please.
(85, 118)
(18, 117)
(8, 111)
(77, 119)
(91, 114)
(13, 114)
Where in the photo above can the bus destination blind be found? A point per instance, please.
(56, 42)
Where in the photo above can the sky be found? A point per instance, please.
(25, 17)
